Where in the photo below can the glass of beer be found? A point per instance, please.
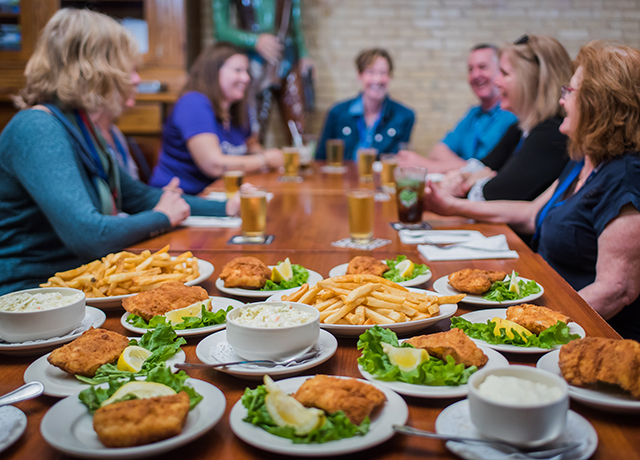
(291, 164)
(360, 215)
(389, 162)
(410, 183)
(366, 157)
(335, 152)
(232, 182)
(253, 211)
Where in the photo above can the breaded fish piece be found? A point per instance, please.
(88, 352)
(245, 272)
(535, 318)
(454, 343)
(474, 281)
(356, 399)
(165, 298)
(367, 265)
(141, 421)
(590, 360)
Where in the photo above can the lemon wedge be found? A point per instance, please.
(195, 309)
(141, 390)
(509, 327)
(513, 284)
(407, 359)
(285, 410)
(405, 268)
(282, 271)
(132, 358)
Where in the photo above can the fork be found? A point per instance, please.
(508, 448)
(295, 360)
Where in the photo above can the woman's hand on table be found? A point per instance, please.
(172, 205)
(273, 158)
(439, 201)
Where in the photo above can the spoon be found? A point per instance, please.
(27, 391)
(294, 360)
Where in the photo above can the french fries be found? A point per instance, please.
(367, 300)
(127, 273)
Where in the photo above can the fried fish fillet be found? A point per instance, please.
(535, 318)
(454, 343)
(88, 352)
(367, 265)
(474, 281)
(165, 298)
(590, 360)
(141, 421)
(245, 272)
(331, 394)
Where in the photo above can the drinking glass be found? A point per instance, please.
(291, 164)
(389, 163)
(232, 182)
(360, 215)
(366, 157)
(253, 211)
(335, 152)
(410, 182)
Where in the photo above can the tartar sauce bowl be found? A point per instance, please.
(22, 325)
(530, 412)
(264, 330)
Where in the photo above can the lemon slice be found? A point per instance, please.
(132, 358)
(509, 327)
(407, 359)
(285, 410)
(141, 390)
(405, 268)
(282, 271)
(195, 309)
(513, 284)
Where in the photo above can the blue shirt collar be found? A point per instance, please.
(356, 108)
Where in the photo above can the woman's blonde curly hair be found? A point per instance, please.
(83, 60)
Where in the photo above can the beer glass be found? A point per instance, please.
(360, 215)
(291, 164)
(232, 182)
(366, 157)
(335, 152)
(410, 183)
(389, 162)
(253, 211)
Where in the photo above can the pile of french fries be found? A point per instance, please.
(127, 273)
(368, 300)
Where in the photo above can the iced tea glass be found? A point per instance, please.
(410, 182)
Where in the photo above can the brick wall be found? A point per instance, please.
(429, 41)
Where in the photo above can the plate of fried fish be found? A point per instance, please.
(331, 415)
(412, 274)
(601, 373)
(478, 283)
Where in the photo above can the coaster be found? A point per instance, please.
(421, 226)
(333, 169)
(290, 179)
(381, 196)
(239, 239)
(373, 244)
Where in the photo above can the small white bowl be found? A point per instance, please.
(273, 343)
(18, 326)
(528, 425)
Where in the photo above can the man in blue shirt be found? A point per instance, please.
(480, 130)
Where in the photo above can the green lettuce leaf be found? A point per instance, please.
(500, 292)
(336, 426)
(300, 276)
(434, 372)
(209, 318)
(393, 275)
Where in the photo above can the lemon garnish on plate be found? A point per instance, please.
(282, 271)
(141, 390)
(285, 410)
(407, 359)
(195, 309)
(132, 358)
(513, 284)
(405, 268)
(509, 327)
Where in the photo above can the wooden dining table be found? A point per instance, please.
(305, 218)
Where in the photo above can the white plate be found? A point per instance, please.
(60, 384)
(37, 347)
(217, 302)
(455, 420)
(346, 330)
(326, 342)
(418, 280)
(425, 391)
(115, 301)
(482, 316)
(610, 400)
(314, 277)
(442, 286)
(13, 422)
(68, 427)
(394, 412)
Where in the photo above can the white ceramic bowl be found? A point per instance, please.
(273, 343)
(529, 425)
(42, 324)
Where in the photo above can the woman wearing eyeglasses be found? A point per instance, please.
(532, 152)
(586, 225)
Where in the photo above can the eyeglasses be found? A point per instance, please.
(566, 90)
(524, 40)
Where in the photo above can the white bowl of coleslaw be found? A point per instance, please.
(41, 313)
(273, 330)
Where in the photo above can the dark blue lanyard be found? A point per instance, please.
(119, 148)
(92, 148)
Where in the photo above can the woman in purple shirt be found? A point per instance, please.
(207, 132)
